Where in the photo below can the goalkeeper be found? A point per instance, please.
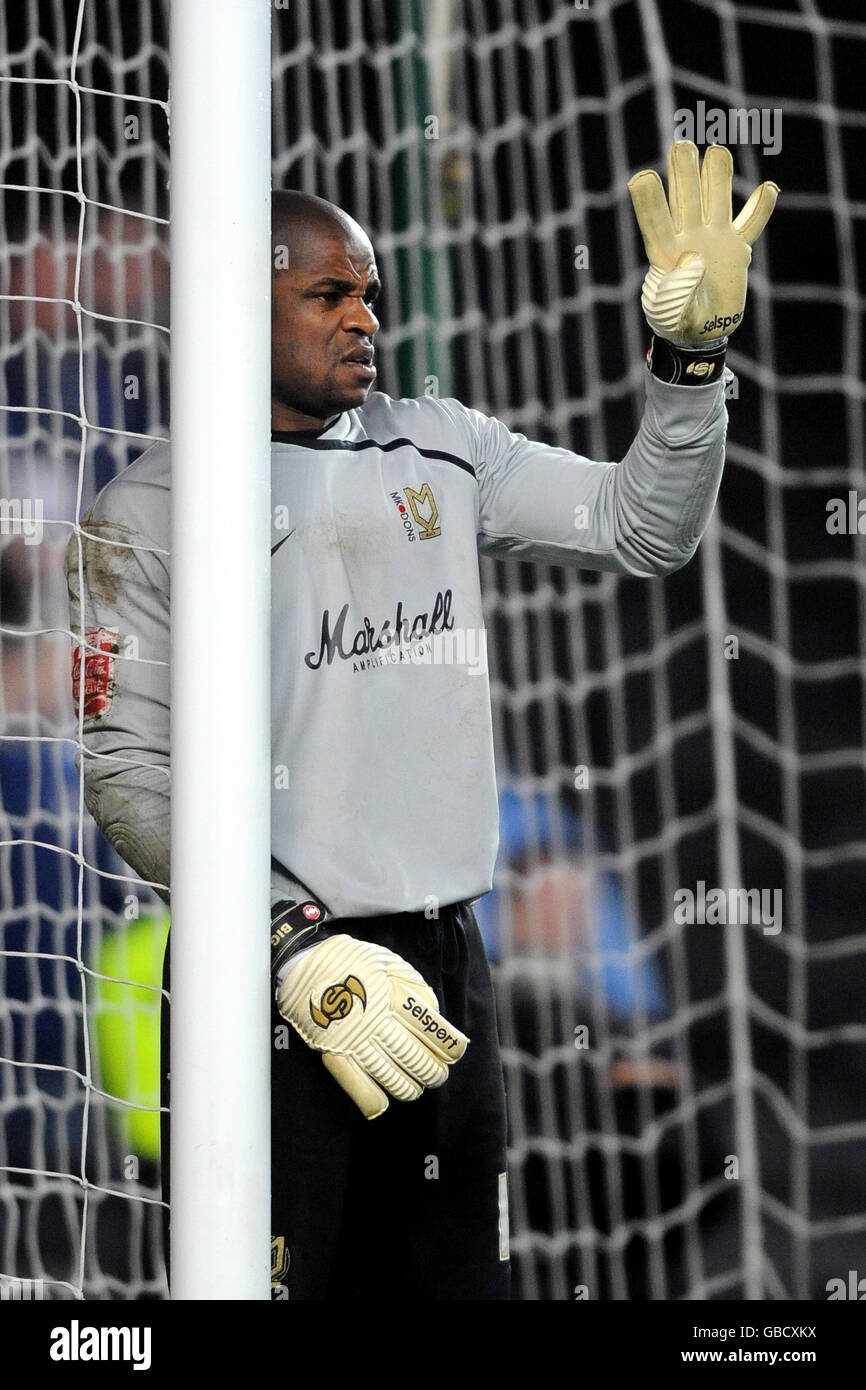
(388, 1106)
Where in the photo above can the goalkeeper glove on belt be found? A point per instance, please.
(375, 1020)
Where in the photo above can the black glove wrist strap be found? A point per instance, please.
(680, 366)
(294, 927)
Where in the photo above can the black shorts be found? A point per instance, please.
(411, 1205)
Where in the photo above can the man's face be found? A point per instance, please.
(322, 327)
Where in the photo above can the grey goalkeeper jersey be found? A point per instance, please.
(384, 797)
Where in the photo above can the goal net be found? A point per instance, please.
(84, 304)
(683, 1090)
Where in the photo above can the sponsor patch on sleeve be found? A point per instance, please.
(99, 672)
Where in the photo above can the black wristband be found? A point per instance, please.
(294, 926)
(681, 366)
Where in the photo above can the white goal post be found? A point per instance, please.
(220, 648)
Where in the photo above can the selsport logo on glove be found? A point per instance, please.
(375, 1020)
(337, 1001)
(432, 1023)
(695, 289)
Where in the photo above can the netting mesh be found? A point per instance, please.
(84, 375)
(683, 1098)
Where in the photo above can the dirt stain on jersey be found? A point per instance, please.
(106, 557)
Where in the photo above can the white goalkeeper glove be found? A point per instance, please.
(695, 292)
(375, 1020)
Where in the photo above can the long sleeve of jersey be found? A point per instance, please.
(381, 726)
(642, 516)
(118, 583)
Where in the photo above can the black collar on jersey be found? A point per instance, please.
(298, 436)
(311, 439)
